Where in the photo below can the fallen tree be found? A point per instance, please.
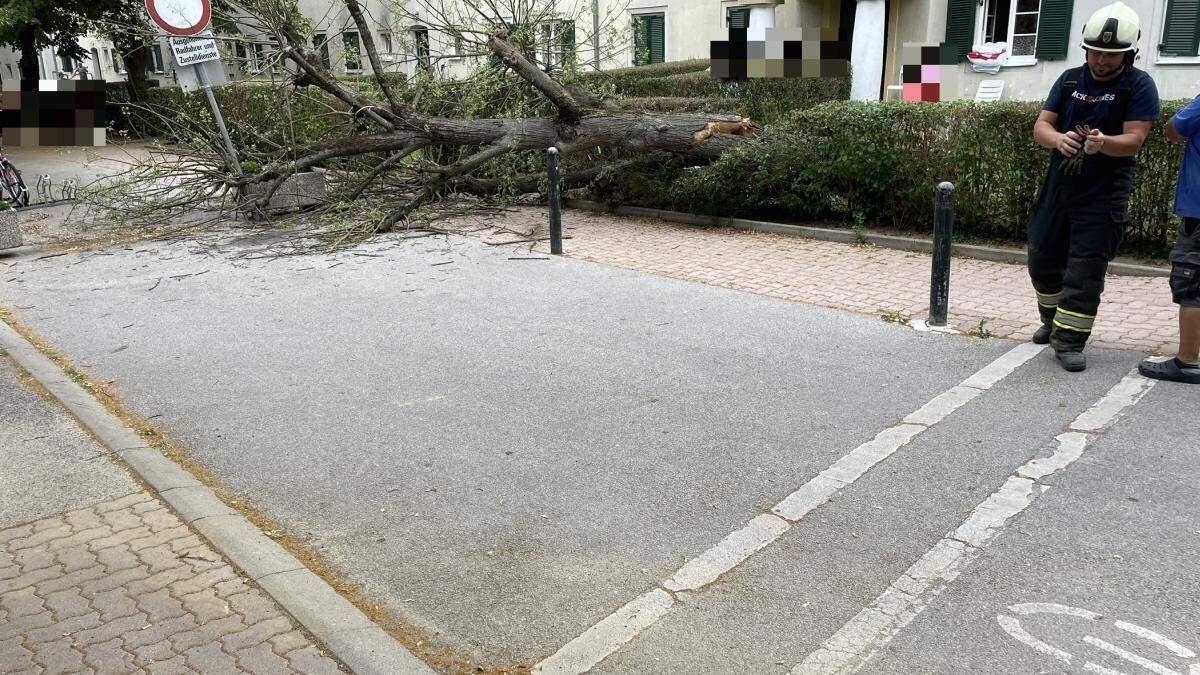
(402, 156)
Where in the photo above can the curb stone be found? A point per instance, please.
(915, 244)
(345, 631)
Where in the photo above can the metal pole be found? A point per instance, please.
(555, 206)
(596, 34)
(235, 164)
(943, 232)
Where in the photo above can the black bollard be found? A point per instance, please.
(943, 231)
(555, 205)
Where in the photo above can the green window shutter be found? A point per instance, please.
(960, 27)
(641, 47)
(657, 39)
(648, 39)
(739, 17)
(1181, 30)
(1054, 29)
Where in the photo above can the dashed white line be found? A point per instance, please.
(872, 628)
(606, 637)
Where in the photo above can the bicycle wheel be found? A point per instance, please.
(14, 185)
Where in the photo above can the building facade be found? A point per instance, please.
(1043, 36)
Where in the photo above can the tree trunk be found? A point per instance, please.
(28, 64)
(129, 43)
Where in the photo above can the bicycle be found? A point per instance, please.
(13, 185)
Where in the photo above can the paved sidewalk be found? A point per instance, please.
(98, 576)
(1136, 312)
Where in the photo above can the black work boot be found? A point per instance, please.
(1072, 362)
(1068, 348)
(1041, 336)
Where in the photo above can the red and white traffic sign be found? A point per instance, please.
(180, 17)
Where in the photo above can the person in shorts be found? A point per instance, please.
(1184, 127)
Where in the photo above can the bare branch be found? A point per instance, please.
(364, 32)
(568, 108)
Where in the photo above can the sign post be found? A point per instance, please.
(183, 19)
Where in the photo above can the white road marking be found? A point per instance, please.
(1171, 645)
(729, 553)
(861, 637)
(1129, 656)
(405, 404)
(1027, 608)
(1101, 670)
(1013, 627)
(603, 639)
(606, 637)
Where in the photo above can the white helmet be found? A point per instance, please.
(1113, 28)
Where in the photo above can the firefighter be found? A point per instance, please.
(1094, 121)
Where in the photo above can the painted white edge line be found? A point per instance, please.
(602, 640)
(872, 628)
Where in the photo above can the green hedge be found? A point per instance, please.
(877, 164)
(764, 100)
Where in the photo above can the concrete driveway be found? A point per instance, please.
(549, 461)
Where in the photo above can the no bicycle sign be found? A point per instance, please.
(180, 17)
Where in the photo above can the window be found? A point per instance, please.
(1181, 29)
(458, 44)
(386, 39)
(420, 37)
(118, 63)
(322, 46)
(259, 62)
(649, 40)
(67, 63)
(557, 49)
(239, 52)
(1014, 22)
(351, 50)
(737, 18)
(754, 20)
(154, 60)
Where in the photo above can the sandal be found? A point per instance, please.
(1172, 370)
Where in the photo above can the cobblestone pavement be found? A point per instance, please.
(1136, 312)
(125, 587)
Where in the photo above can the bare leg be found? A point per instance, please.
(1189, 334)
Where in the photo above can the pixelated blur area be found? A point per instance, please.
(928, 74)
(53, 113)
(784, 53)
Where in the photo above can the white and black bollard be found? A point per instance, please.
(553, 193)
(943, 232)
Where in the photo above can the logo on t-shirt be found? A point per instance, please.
(1088, 98)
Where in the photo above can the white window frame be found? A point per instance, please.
(1013, 59)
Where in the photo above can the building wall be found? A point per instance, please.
(925, 21)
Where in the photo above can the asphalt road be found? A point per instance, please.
(506, 452)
